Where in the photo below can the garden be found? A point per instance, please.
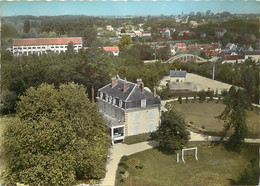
(215, 166)
(201, 116)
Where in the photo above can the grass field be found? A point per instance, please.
(203, 114)
(215, 166)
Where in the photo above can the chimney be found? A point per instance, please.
(138, 82)
(125, 87)
(154, 91)
(113, 81)
(142, 86)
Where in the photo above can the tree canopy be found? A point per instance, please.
(172, 133)
(234, 117)
(57, 137)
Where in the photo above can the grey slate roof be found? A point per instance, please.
(132, 97)
(178, 73)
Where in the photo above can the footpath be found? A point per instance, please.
(119, 150)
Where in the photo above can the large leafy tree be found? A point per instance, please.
(234, 117)
(172, 134)
(124, 41)
(57, 137)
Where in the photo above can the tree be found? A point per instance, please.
(57, 137)
(234, 117)
(172, 134)
(7, 101)
(124, 41)
(8, 31)
(26, 27)
(70, 49)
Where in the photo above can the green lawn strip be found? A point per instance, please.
(137, 138)
(202, 115)
(216, 166)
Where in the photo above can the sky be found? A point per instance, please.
(124, 7)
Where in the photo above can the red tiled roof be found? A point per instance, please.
(47, 41)
(180, 44)
(234, 57)
(256, 52)
(111, 49)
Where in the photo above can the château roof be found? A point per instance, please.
(133, 94)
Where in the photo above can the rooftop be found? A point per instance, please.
(47, 41)
(178, 73)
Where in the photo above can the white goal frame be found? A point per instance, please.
(195, 154)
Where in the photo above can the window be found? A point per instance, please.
(120, 103)
(15, 48)
(61, 47)
(66, 46)
(43, 47)
(29, 47)
(136, 116)
(106, 98)
(135, 130)
(38, 47)
(110, 99)
(56, 46)
(150, 127)
(52, 47)
(114, 101)
(101, 95)
(24, 47)
(143, 103)
(150, 115)
(34, 47)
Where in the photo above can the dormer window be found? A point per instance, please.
(143, 103)
(114, 101)
(120, 103)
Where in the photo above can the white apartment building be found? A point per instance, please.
(44, 45)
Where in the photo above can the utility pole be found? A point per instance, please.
(213, 73)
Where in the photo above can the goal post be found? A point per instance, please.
(195, 154)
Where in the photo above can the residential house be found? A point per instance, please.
(220, 32)
(231, 46)
(109, 27)
(177, 75)
(138, 33)
(44, 45)
(233, 59)
(113, 51)
(146, 34)
(254, 55)
(178, 82)
(180, 46)
(128, 108)
(193, 24)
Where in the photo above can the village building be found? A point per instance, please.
(178, 82)
(220, 32)
(177, 75)
(128, 108)
(44, 45)
(180, 46)
(254, 55)
(112, 51)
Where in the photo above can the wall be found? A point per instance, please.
(139, 121)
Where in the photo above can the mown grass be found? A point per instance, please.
(215, 166)
(203, 115)
(137, 138)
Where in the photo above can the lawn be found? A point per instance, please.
(203, 115)
(215, 166)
